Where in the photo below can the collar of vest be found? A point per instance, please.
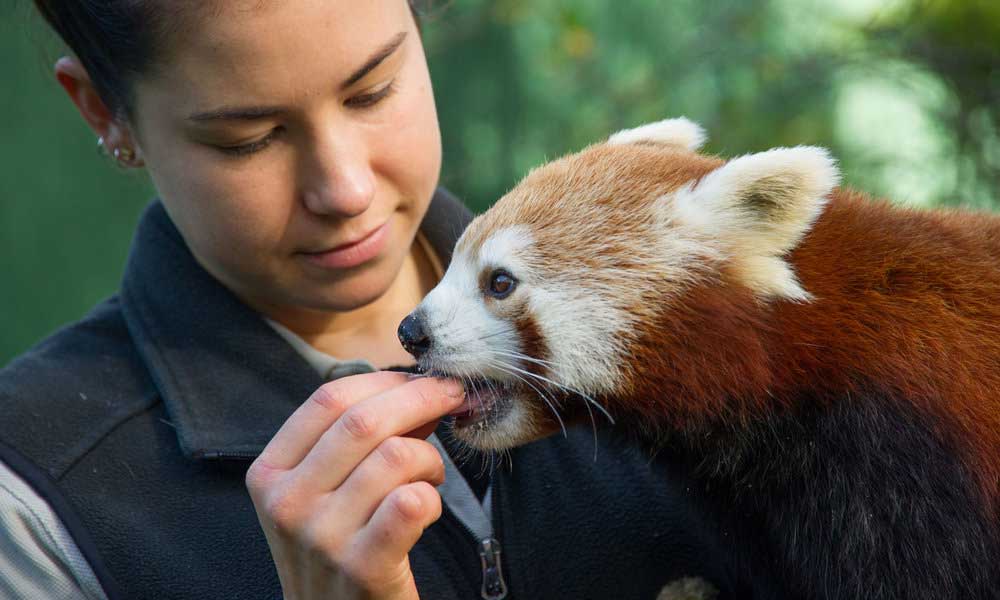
(228, 380)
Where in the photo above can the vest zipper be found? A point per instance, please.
(227, 455)
(494, 587)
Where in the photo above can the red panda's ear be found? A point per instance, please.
(758, 207)
(679, 133)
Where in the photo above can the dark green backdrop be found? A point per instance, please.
(906, 93)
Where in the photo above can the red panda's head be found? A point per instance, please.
(541, 307)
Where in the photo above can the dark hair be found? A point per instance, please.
(117, 40)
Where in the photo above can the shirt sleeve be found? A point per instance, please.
(38, 557)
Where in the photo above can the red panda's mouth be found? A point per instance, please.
(486, 402)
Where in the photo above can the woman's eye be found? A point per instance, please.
(360, 101)
(501, 284)
(372, 98)
(252, 147)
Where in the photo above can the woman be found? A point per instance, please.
(295, 150)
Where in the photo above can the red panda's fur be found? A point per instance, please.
(907, 300)
(850, 436)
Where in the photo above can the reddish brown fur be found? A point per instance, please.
(621, 180)
(905, 299)
(882, 389)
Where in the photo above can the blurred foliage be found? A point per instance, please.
(959, 42)
(905, 92)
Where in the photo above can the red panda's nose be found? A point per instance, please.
(413, 336)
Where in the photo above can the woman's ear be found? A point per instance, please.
(110, 128)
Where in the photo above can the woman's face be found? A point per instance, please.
(279, 134)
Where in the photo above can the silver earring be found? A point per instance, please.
(101, 149)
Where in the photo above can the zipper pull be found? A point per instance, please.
(494, 587)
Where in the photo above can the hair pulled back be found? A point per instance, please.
(117, 41)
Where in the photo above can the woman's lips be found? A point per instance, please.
(352, 255)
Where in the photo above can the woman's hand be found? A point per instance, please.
(346, 487)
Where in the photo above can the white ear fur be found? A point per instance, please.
(680, 132)
(759, 207)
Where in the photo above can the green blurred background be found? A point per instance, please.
(905, 92)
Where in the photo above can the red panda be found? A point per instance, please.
(824, 367)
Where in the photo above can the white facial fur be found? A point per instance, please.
(469, 339)
(467, 335)
(585, 318)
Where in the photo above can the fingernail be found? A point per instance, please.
(452, 387)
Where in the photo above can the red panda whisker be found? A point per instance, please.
(470, 383)
(493, 392)
(550, 365)
(520, 356)
(550, 402)
(593, 427)
(465, 452)
(492, 465)
(464, 342)
(593, 423)
(553, 366)
(565, 388)
(482, 405)
(586, 404)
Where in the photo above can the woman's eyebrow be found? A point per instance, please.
(248, 113)
(383, 53)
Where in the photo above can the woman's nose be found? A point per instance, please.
(340, 181)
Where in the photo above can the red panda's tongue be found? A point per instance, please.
(464, 408)
(479, 400)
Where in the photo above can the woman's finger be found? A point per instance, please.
(395, 527)
(397, 461)
(327, 404)
(365, 425)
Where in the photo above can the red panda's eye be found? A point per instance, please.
(501, 284)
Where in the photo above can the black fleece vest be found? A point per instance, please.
(138, 423)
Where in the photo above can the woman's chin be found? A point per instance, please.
(353, 289)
